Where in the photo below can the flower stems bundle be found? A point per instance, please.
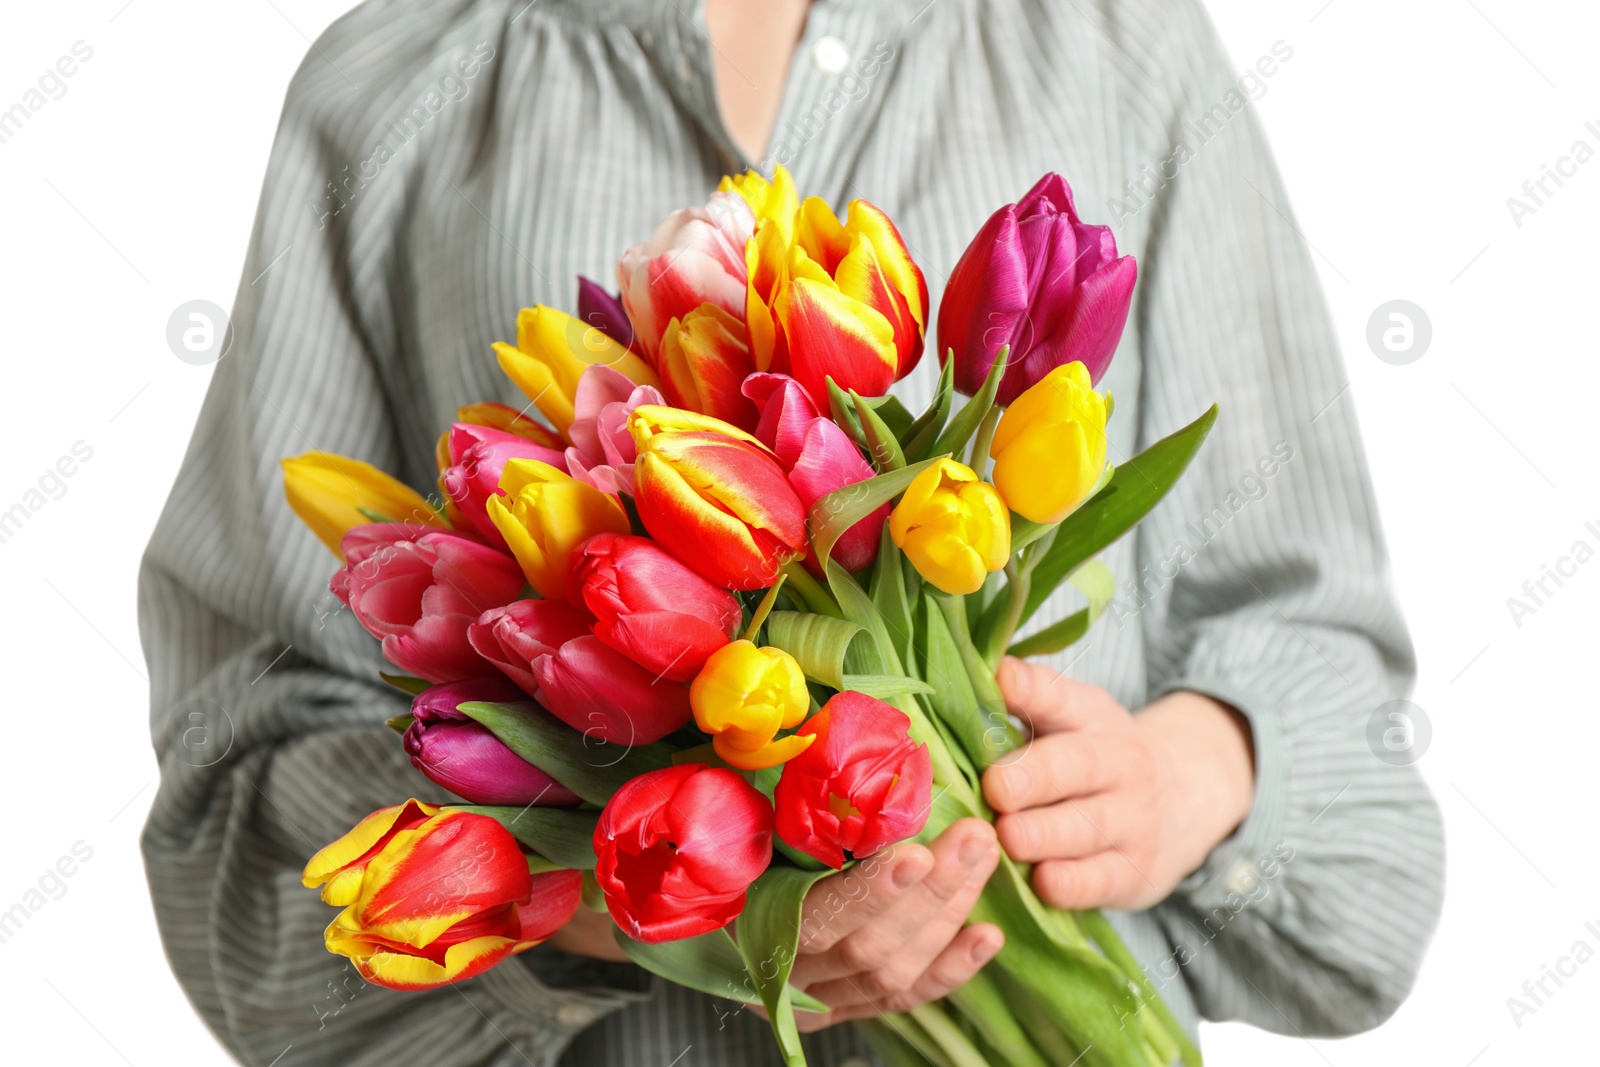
(727, 619)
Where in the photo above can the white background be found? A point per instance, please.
(1402, 129)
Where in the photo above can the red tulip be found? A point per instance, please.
(678, 847)
(478, 456)
(463, 756)
(419, 589)
(432, 897)
(862, 785)
(715, 498)
(651, 608)
(704, 358)
(605, 695)
(1037, 278)
(516, 636)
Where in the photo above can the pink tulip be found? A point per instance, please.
(1039, 279)
(478, 456)
(696, 256)
(419, 589)
(603, 451)
(516, 636)
(464, 757)
(786, 410)
(605, 695)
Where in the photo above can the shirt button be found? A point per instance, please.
(831, 55)
(570, 1014)
(1242, 879)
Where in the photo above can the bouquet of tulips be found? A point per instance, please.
(726, 618)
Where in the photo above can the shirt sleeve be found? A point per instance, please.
(265, 715)
(1267, 584)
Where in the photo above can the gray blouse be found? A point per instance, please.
(442, 163)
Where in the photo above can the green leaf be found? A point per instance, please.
(886, 686)
(965, 424)
(1135, 488)
(564, 836)
(405, 683)
(763, 609)
(769, 936)
(708, 964)
(881, 443)
(984, 1006)
(891, 412)
(590, 768)
(953, 701)
(921, 434)
(889, 594)
(1053, 638)
(819, 643)
(841, 509)
(844, 413)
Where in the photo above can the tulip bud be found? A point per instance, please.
(463, 756)
(518, 635)
(952, 527)
(544, 514)
(776, 200)
(602, 451)
(604, 312)
(331, 494)
(508, 419)
(1050, 446)
(418, 590)
(649, 607)
(696, 256)
(861, 786)
(1039, 279)
(606, 696)
(433, 897)
(677, 848)
(553, 349)
(743, 696)
(713, 496)
(786, 413)
(477, 458)
(704, 359)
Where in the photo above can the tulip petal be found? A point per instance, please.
(832, 335)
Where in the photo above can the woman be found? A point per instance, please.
(442, 164)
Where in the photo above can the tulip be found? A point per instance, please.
(715, 497)
(464, 757)
(331, 494)
(677, 848)
(649, 607)
(606, 696)
(840, 301)
(786, 414)
(552, 351)
(507, 418)
(953, 528)
(1036, 278)
(418, 590)
(776, 199)
(604, 312)
(544, 514)
(743, 697)
(696, 256)
(436, 900)
(477, 458)
(1050, 446)
(704, 359)
(518, 635)
(828, 461)
(864, 784)
(602, 450)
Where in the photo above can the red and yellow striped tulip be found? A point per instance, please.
(715, 497)
(776, 199)
(334, 494)
(704, 359)
(553, 350)
(844, 301)
(435, 896)
(544, 514)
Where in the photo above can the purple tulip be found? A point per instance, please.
(1039, 279)
(464, 757)
(604, 312)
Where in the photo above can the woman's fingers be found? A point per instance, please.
(841, 904)
(1050, 702)
(1108, 879)
(1054, 768)
(1073, 829)
(962, 958)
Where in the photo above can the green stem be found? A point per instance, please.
(998, 638)
(980, 443)
(948, 1036)
(1002, 736)
(817, 598)
(1105, 936)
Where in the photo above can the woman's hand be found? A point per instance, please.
(1115, 809)
(887, 935)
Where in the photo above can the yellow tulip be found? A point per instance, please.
(1050, 446)
(544, 515)
(553, 350)
(953, 528)
(776, 200)
(743, 696)
(333, 493)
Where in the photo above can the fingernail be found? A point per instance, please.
(985, 951)
(906, 874)
(973, 850)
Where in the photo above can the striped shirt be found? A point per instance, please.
(443, 163)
